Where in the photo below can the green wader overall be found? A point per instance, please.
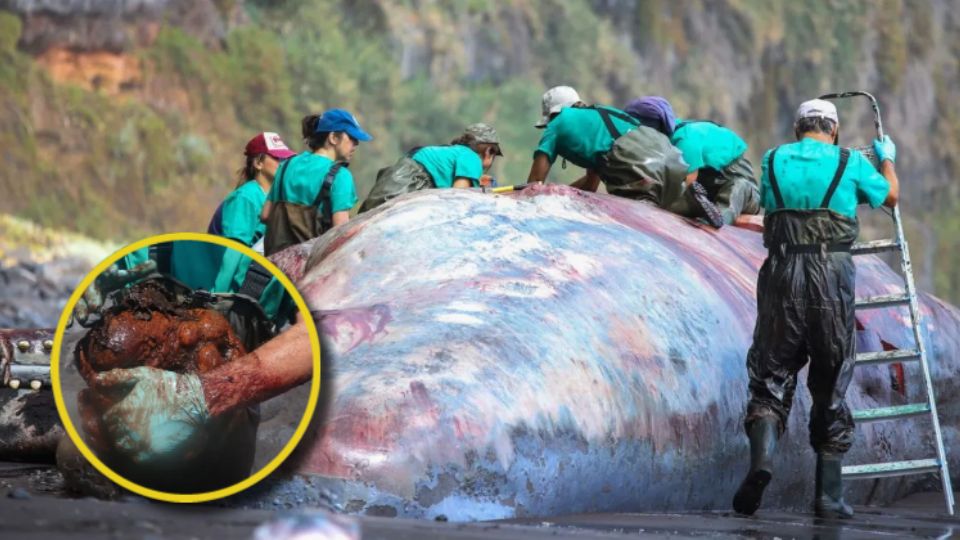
(805, 313)
(404, 176)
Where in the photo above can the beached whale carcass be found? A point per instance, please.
(553, 351)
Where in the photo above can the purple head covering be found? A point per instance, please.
(653, 111)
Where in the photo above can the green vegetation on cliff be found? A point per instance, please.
(159, 155)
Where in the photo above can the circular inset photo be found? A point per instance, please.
(185, 368)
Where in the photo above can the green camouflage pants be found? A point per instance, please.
(733, 189)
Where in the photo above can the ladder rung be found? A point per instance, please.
(882, 301)
(875, 246)
(887, 357)
(888, 413)
(893, 468)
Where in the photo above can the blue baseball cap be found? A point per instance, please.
(341, 120)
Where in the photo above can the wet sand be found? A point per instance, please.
(32, 506)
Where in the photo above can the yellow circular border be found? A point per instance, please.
(185, 497)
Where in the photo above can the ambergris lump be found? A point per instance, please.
(149, 327)
(162, 324)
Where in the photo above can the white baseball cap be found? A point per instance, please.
(555, 99)
(818, 108)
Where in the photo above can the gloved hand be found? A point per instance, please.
(885, 149)
(147, 415)
(109, 280)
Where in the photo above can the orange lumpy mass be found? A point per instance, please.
(186, 341)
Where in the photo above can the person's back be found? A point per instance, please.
(805, 298)
(446, 163)
(302, 180)
(240, 214)
(631, 160)
(719, 175)
(716, 156)
(580, 135)
(459, 164)
(314, 191)
(706, 144)
(299, 195)
(804, 172)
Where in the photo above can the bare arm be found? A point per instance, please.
(749, 221)
(539, 169)
(461, 182)
(692, 177)
(275, 367)
(265, 211)
(339, 218)
(888, 171)
(587, 182)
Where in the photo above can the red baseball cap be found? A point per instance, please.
(268, 143)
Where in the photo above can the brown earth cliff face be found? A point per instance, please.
(109, 72)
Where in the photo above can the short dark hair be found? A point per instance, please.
(814, 124)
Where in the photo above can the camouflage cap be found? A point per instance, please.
(484, 134)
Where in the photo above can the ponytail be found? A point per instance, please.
(248, 171)
(308, 129)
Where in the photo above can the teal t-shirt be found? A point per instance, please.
(240, 214)
(193, 263)
(196, 263)
(580, 136)
(804, 171)
(240, 221)
(447, 163)
(302, 178)
(134, 258)
(705, 144)
(214, 268)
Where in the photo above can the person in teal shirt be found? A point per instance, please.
(460, 164)
(802, 184)
(298, 196)
(632, 160)
(715, 156)
(805, 298)
(238, 218)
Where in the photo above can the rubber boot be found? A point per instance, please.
(828, 501)
(763, 441)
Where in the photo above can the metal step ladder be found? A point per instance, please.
(936, 464)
